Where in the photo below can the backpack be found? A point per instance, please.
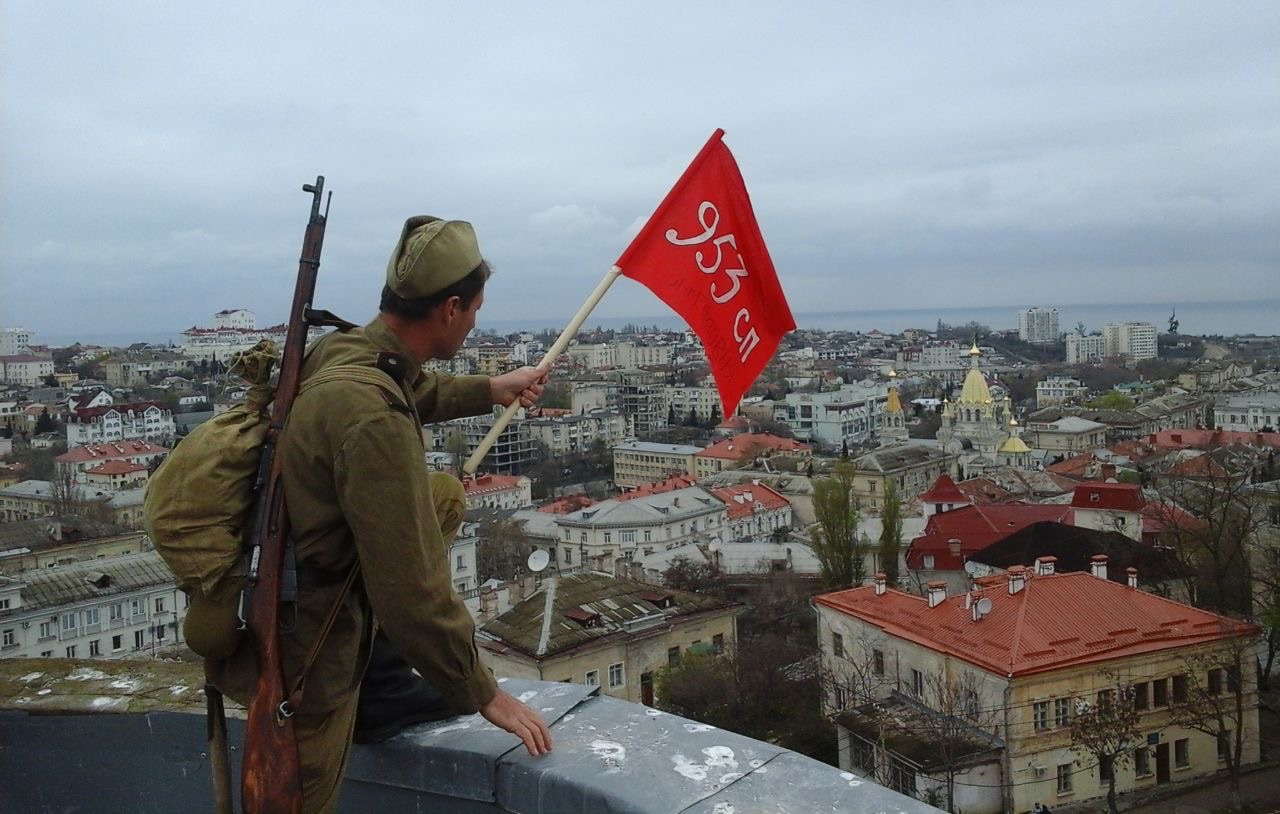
(199, 500)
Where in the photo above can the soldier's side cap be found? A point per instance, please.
(432, 254)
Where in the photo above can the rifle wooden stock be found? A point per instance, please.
(271, 779)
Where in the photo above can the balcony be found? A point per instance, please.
(610, 756)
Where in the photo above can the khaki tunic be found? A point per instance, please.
(356, 486)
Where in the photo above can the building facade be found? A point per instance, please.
(636, 463)
(120, 422)
(1134, 341)
(1039, 326)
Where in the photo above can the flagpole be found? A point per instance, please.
(562, 342)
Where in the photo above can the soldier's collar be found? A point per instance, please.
(394, 356)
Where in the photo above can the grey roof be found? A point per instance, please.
(664, 507)
(654, 447)
(51, 587)
(588, 608)
(899, 456)
(49, 532)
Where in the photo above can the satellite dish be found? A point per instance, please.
(983, 606)
(715, 544)
(538, 560)
(971, 568)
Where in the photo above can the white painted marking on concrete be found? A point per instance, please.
(126, 684)
(611, 753)
(526, 695)
(686, 767)
(45, 691)
(723, 808)
(108, 703)
(698, 728)
(29, 677)
(85, 674)
(720, 757)
(548, 608)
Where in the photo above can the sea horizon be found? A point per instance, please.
(1229, 318)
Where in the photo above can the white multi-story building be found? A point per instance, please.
(849, 416)
(25, 369)
(233, 330)
(498, 491)
(102, 608)
(1059, 389)
(1249, 412)
(636, 463)
(633, 354)
(703, 401)
(1038, 326)
(1084, 348)
(119, 422)
(594, 357)
(624, 528)
(1133, 340)
(238, 318)
(14, 341)
(563, 435)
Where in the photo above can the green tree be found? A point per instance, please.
(45, 422)
(835, 538)
(1113, 400)
(890, 533)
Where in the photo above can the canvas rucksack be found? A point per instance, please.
(199, 500)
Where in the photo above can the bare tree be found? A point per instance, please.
(1107, 730)
(835, 539)
(1212, 697)
(502, 549)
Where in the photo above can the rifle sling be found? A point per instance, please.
(294, 698)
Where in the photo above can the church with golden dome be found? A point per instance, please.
(979, 428)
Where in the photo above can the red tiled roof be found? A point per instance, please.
(977, 527)
(1054, 622)
(78, 416)
(983, 491)
(1121, 497)
(569, 504)
(1073, 467)
(487, 484)
(944, 491)
(116, 449)
(740, 499)
(1206, 439)
(116, 467)
(739, 445)
(657, 487)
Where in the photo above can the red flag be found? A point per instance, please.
(702, 253)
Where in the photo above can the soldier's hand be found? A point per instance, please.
(524, 383)
(506, 712)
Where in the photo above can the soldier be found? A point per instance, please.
(359, 495)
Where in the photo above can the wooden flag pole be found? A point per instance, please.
(570, 331)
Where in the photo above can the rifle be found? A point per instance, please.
(271, 779)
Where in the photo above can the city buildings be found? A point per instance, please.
(1134, 341)
(636, 463)
(1039, 326)
(1002, 671)
(120, 422)
(619, 529)
(1059, 390)
(835, 419)
(1251, 412)
(606, 632)
(1085, 348)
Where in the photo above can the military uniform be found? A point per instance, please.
(357, 488)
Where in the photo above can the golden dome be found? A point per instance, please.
(1015, 446)
(894, 404)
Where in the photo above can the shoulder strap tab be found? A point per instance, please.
(364, 374)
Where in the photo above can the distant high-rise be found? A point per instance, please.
(1132, 340)
(1038, 326)
(1082, 348)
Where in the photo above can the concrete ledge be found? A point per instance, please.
(610, 757)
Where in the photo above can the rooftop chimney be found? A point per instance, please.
(937, 593)
(953, 546)
(1108, 472)
(1045, 565)
(488, 605)
(881, 583)
(1017, 578)
(1133, 576)
(1098, 565)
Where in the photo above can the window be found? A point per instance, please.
(1064, 778)
(68, 622)
(648, 535)
(46, 630)
(46, 654)
(837, 645)
(95, 648)
(582, 537)
(917, 683)
(159, 604)
(10, 638)
(1062, 711)
(1224, 744)
(1160, 692)
(92, 617)
(970, 702)
(608, 537)
(461, 563)
(1215, 681)
(1142, 761)
(673, 656)
(116, 612)
(717, 643)
(71, 651)
(1182, 753)
(841, 700)
(1106, 769)
(136, 608)
(593, 678)
(1233, 678)
(139, 639)
(1140, 696)
(568, 556)
(616, 678)
(4, 604)
(1104, 699)
(1040, 715)
(117, 643)
(877, 661)
(928, 560)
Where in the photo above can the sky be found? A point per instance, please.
(898, 155)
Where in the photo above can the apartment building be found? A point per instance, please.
(25, 369)
(1059, 390)
(744, 448)
(103, 608)
(621, 529)
(848, 416)
(576, 433)
(636, 463)
(603, 631)
(1085, 348)
(76, 462)
(144, 420)
(498, 491)
(1039, 326)
(1010, 664)
(912, 468)
(1134, 341)
(1250, 412)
